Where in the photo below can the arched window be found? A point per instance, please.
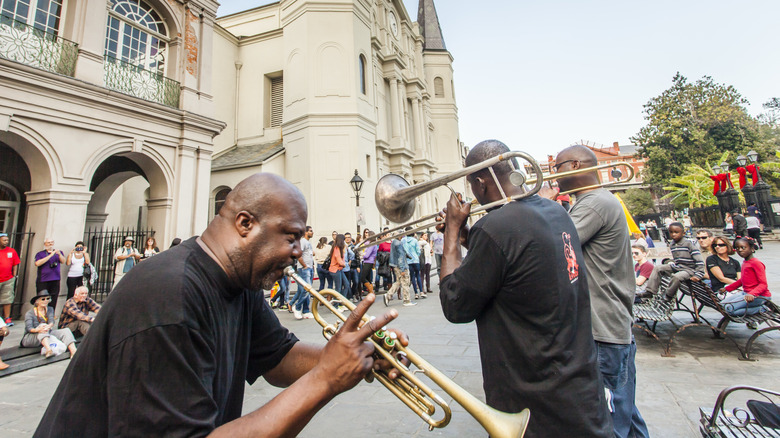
(136, 34)
(41, 14)
(438, 87)
(219, 199)
(362, 66)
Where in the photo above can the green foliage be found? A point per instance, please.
(690, 122)
(694, 187)
(638, 201)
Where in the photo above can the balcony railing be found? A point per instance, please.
(25, 44)
(139, 82)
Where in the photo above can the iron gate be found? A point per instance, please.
(102, 245)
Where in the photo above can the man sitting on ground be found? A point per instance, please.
(75, 314)
(687, 265)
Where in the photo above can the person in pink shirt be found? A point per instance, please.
(755, 291)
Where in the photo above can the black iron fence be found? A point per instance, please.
(21, 242)
(102, 245)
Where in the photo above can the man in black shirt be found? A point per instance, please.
(173, 346)
(524, 283)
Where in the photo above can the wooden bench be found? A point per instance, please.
(719, 422)
(769, 315)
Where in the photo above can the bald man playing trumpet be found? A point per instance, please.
(524, 284)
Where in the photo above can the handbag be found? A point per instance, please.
(326, 264)
(87, 271)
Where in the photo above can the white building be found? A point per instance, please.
(313, 91)
(94, 93)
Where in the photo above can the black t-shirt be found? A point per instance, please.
(169, 353)
(729, 269)
(524, 282)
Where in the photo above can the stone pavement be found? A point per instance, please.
(669, 391)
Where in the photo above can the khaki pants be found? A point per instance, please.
(402, 281)
(79, 326)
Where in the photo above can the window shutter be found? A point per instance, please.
(277, 101)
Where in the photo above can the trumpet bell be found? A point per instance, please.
(390, 206)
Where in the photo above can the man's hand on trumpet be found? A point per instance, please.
(348, 357)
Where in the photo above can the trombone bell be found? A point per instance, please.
(389, 206)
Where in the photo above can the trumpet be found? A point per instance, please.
(396, 195)
(412, 391)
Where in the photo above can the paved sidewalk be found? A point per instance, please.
(669, 392)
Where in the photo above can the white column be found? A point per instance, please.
(416, 120)
(60, 215)
(402, 107)
(394, 111)
(90, 19)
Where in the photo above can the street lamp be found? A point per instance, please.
(357, 185)
(717, 170)
(762, 191)
(747, 189)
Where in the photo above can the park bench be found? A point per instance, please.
(770, 315)
(719, 422)
(655, 310)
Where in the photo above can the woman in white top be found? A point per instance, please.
(77, 258)
(150, 248)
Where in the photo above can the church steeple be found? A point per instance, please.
(429, 26)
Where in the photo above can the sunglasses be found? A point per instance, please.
(558, 165)
(718, 245)
(702, 238)
(45, 299)
(635, 253)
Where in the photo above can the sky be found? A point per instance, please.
(542, 75)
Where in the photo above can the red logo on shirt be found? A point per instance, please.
(571, 259)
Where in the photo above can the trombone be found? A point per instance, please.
(412, 391)
(395, 197)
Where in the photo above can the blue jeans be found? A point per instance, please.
(352, 283)
(414, 273)
(618, 371)
(338, 280)
(283, 294)
(735, 304)
(301, 298)
(324, 275)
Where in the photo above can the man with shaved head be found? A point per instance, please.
(606, 247)
(179, 337)
(524, 284)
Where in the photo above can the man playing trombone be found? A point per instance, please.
(524, 282)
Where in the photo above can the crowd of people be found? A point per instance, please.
(399, 266)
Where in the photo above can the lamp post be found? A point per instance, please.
(748, 189)
(731, 196)
(721, 195)
(762, 192)
(357, 184)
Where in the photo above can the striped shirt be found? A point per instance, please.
(687, 257)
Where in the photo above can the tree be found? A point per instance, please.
(694, 187)
(693, 121)
(638, 201)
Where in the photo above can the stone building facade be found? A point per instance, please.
(314, 91)
(94, 93)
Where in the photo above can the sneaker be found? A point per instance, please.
(416, 296)
(423, 295)
(308, 315)
(409, 304)
(387, 299)
(9, 322)
(752, 326)
(297, 314)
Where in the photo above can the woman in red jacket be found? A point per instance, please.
(755, 291)
(337, 262)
